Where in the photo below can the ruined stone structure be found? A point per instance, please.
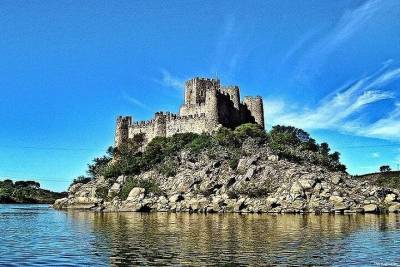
(207, 106)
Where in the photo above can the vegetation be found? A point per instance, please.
(81, 180)
(287, 142)
(385, 168)
(26, 192)
(390, 179)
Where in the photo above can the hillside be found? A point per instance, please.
(386, 179)
(28, 192)
(240, 170)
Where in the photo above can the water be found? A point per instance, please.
(32, 235)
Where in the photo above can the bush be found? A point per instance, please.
(254, 190)
(199, 143)
(226, 137)
(251, 130)
(168, 168)
(102, 192)
(81, 179)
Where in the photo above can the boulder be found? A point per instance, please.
(296, 190)
(74, 188)
(137, 193)
(306, 184)
(395, 208)
(370, 208)
(336, 179)
(390, 198)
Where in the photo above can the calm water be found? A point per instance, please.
(38, 235)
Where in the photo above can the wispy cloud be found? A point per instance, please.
(168, 80)
(375, 155)
(351, 22)
(135, 101)
(342, 110)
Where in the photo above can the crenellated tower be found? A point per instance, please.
(255, 106)
(122, 130)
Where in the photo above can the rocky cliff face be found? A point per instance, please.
(261, 182)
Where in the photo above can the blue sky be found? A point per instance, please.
(68, 68)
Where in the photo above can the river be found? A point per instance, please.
(36, 235)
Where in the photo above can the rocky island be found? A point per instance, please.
(26, 192)
(215, 156)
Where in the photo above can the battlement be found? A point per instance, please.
(207, 105)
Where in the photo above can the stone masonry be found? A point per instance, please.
(207, 106)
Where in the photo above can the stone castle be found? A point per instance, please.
(207, 106)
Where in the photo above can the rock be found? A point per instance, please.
(239, 205)
(296, 190)
(390, 198)
(74, 188)
(336, 179)
(176, 198)
(249, 174)
(162, 200)
(115, 188)
(242, 165)
(137, 193)
(395, 208)
(306, 184)
(370, 208)
(336, 199)
(121, 179)
(61, 203)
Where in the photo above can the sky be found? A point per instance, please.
(68, 68)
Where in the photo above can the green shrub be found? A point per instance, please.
(81, 180)
(199, 143)
(226, 137)
(233, 163)
(254, 190)
(102, 192)
(251, 130)
(168, 168)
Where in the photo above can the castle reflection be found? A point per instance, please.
(215, 239)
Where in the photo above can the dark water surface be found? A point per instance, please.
(38, 235)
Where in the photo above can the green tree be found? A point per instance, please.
(385, 168)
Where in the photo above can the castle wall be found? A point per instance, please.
(207, 105)
(146, 127)
(187, 110)
(185, 124)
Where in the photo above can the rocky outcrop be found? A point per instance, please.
(261, 183)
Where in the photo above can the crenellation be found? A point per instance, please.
(207, 105)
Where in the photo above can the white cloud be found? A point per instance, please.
(135, 101)
(171, 81)
(375, 155)
(341, 110)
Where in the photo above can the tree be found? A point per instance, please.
(335, 156)
(324, 149)
(385, 168)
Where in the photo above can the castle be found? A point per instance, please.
(207, 106)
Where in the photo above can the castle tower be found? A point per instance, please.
(196, 88)
(122, 130)
(212, 108)
(160, 124)
(233, 92)
(256, 108)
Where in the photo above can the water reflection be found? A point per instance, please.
(198, 239)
